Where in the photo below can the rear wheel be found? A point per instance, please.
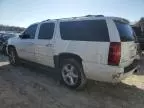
(72, 74)
(13, 57)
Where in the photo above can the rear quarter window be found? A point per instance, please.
(126, 32)
(88, 30)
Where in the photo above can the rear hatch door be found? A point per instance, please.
(128, 45)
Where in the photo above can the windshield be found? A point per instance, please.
(125, 31)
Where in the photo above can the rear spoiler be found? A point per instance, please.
(122, 20)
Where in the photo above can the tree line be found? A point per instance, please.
(11, 28)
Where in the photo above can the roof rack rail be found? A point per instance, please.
(46, 20)
(94, 16)
(76, 17)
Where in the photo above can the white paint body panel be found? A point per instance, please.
(94, 54)
(44, 49)
(25, 48)
(128, 53)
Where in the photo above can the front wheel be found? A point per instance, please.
(13, 58)
(4, 50)
(72, 74)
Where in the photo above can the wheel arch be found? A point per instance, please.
(58, 58)
(10, 46)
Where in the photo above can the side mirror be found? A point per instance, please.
(24, 36)
(20, 36)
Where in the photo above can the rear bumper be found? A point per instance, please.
(122, 76)
(106, 73)
(132, 66)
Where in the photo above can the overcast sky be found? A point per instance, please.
(25, 12)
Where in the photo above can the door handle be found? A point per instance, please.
(30, 43)
(48, 45)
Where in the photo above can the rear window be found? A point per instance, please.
(125, 31)
(88, 30)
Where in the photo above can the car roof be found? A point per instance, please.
(87, 17)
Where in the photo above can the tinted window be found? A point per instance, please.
(46, 31)
(31, 30)
(89, 30)
(125, 31)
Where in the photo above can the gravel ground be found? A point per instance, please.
(29, 87)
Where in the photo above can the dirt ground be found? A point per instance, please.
(30, 87)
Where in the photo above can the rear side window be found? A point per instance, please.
(46, 31)
(88, 30)
(125, 31)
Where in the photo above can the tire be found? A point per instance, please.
(13, 57)
(4, 50)
(72, 70)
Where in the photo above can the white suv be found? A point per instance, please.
(90, 47)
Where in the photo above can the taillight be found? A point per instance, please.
(114, 53)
